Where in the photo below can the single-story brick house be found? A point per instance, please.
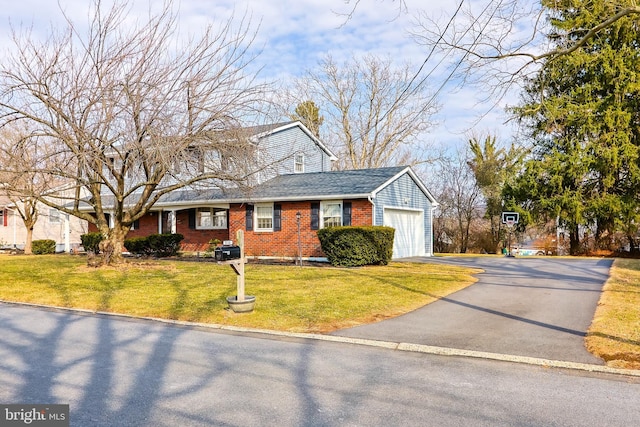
(392, 196)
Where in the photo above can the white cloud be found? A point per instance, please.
(295, 35)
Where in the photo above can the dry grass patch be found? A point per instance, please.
(289, 298)
(614, 334)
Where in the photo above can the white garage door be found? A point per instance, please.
(409, 236)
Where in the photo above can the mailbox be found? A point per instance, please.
(225, 253)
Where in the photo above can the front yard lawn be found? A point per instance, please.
(615, 332)
(288, 298)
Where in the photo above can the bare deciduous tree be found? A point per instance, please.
(460, 202)
(498, 42)
(18, 181)
(372, 115)
(128, 113)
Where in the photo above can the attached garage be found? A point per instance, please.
(409, 236)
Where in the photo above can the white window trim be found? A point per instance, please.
(255, 218)
(296, 163)
(212, 211)
(330, 202)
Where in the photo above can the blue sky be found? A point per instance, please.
(296, 34)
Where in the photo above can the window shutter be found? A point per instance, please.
(346, 213)
(315, 215)
(4, 217)
(136, 225)
(277, 217)
(107, 218)
(192, 219)
(249, 218)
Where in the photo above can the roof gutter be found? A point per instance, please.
(221, 202)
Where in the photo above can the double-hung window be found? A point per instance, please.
(331, 214)
(211, 218)
(264, 217)
(298, 163)
(54, 216)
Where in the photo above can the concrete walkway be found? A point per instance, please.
(535, 307)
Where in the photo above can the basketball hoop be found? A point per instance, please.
(510, 218)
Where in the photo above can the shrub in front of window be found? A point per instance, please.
(42, 247)
(158, 245)
(138, 246)
(91, 242)
(357, 246)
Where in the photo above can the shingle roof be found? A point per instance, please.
(260, 129)
(321, 184)
(305, 186)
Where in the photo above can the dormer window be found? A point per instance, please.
(298, 166)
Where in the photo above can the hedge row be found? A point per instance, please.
(158, 245)
(355, 246)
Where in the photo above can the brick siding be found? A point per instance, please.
(275, 244)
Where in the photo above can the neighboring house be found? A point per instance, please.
(298, 195)
(51, 224)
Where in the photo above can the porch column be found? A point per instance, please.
(173, 221)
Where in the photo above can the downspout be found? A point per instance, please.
(370, 198)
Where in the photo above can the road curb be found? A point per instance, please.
(399, 346)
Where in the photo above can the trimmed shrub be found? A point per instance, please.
(164, 245)
(355, 246)
(43, 247)
(138, 245)
(159, 245)
(91, 242)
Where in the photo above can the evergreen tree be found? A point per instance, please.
(492, 166)
(581, 111)
(308, 113)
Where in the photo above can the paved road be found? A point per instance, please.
(538, 307)
(114, 372)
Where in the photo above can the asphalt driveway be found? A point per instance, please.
(538, 307)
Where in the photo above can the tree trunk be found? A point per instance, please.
(574, 241)
(28, 242)
(112, 247)
(633, 245)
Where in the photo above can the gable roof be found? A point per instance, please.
(261, 131)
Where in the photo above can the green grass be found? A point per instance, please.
(288, 298)
(615, 332)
